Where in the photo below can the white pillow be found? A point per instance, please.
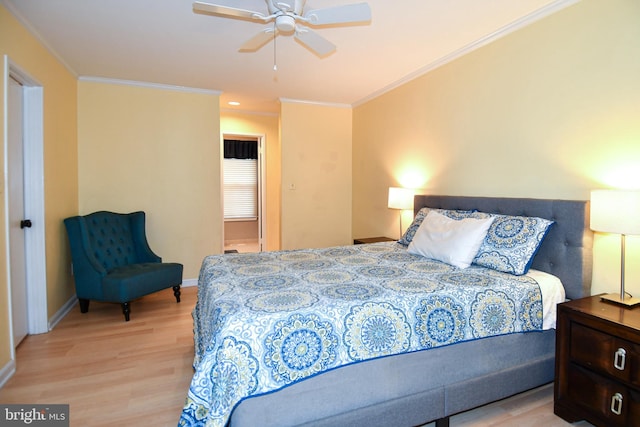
(452, 241)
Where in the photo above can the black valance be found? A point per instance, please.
(234, 149)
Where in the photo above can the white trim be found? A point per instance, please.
(148, 85)
(507, 29)
(5, 149)
(221, 190)
(34, 196)
(187, 283)
(7, 372)
(262, 203)
(64, 310)
(321, 104)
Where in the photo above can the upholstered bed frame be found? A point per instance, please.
(565, 251)
(416, 388)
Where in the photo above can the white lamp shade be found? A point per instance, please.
(400, 198)
(615, 211)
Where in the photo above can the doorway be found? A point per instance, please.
(24, 201)
(243, 189)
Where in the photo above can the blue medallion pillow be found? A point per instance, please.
(511, 243)
(407, 237)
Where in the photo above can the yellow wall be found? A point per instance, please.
(550, 111)
(316, 160)
(156, 150)
(267, 125)
(60, 164)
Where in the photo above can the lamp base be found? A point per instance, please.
(628, 301)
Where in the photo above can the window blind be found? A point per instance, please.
(240, 188)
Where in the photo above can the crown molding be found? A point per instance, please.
(321, 104)
(148, 85)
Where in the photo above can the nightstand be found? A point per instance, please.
(597, 374)
(372, 240)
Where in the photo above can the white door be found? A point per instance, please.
(15, 163)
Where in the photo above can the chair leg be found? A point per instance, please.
(84, 305)
(126, 310)
(176, 292)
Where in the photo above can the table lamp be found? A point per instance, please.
(402, 199)
(617, 211)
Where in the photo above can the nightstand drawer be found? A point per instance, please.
(608, 401)
(605, 353)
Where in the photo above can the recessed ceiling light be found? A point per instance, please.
(234, 103)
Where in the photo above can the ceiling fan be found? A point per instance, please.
(288, 18)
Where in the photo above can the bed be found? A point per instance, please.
(349, 336)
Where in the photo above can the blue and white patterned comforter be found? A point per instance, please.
(266, 320)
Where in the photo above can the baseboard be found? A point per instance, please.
(189, 282)
(64, 310)
(7, 372)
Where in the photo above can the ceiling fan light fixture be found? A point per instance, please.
(288, 19)
(285, 23)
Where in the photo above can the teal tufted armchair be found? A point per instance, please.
(112, 261)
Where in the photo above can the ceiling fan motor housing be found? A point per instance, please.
(285, 23)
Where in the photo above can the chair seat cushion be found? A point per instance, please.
(125, 283)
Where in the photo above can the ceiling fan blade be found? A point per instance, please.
(227, 12)
(313, 41)
(259, 40)
(349, 13)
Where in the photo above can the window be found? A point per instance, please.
(240, 187)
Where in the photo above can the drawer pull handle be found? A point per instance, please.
(616, 404)
(620, 359)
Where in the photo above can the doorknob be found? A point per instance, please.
(25, 223)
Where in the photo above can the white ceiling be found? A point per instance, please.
(165, 42)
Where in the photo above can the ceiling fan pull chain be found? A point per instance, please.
(275, 65)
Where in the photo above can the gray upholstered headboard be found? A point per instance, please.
(566, 251)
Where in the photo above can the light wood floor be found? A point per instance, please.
(136, 373)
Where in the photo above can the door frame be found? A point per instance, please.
(262, 183)
(35, 253)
